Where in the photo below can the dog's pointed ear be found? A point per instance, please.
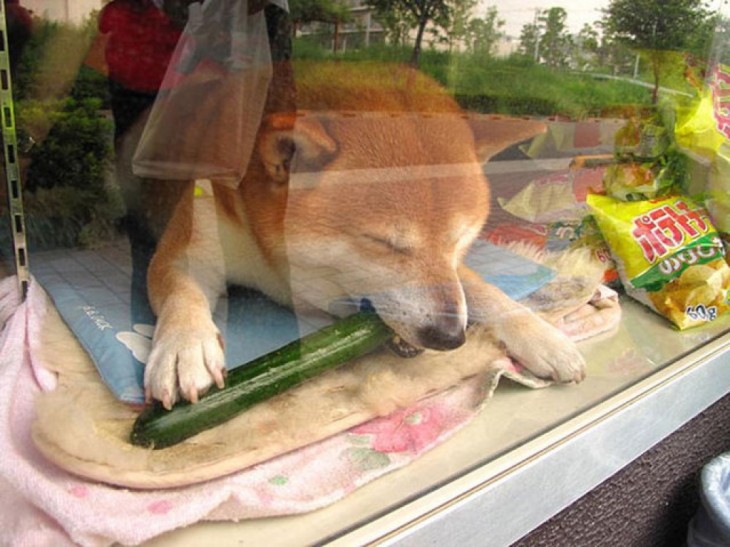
(291, 141)
(492, 134)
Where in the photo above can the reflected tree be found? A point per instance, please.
(530, 41)
(484, 33)
(586, 46)
(555, 42)
(456, 26)
(334, 12)
(660, 28)
(421, 12)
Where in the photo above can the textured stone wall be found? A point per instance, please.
(650, 502)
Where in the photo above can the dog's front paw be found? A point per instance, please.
(184, 362)
(546, 352)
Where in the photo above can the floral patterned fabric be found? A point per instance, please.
(45, 505)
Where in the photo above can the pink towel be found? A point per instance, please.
(44, 505)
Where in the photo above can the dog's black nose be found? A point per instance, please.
(443, 337)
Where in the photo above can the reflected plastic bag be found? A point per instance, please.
(204, 121)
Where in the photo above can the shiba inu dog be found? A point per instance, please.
(374, 192)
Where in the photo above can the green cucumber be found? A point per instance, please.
(261, 379)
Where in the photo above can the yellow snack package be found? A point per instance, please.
(668, 254)
(702, 130)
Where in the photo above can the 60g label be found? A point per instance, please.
(701, 312)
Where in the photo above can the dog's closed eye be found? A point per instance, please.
(391, 243)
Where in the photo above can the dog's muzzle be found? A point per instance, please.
(444, 336)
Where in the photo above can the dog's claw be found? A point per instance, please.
(218, 377)
(167, 400)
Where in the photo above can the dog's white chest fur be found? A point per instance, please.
(226, 252)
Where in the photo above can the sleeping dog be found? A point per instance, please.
(374, 190)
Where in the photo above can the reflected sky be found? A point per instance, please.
(519, 13)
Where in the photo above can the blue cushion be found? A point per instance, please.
(92, 291)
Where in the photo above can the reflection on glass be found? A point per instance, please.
(207, 181)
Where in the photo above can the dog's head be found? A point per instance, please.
(383, 205)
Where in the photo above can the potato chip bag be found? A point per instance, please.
(668, 254)
(703, 131)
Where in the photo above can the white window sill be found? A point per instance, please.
(530, 453)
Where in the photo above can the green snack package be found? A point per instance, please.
(668, 254)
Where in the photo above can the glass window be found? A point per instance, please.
(465, 224)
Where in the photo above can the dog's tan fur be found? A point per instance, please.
(376, 191)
